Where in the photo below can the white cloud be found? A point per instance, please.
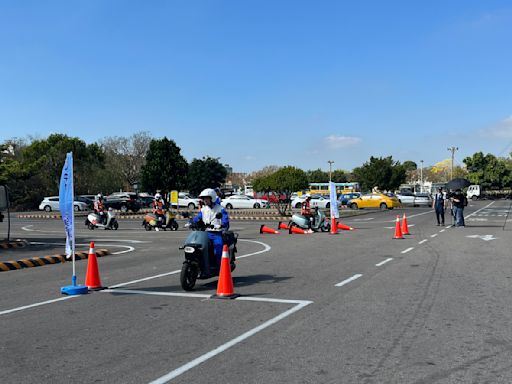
(502, 129)
(336, 142)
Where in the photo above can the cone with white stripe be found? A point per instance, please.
(225, 288)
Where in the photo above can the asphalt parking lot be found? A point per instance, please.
(355, 307)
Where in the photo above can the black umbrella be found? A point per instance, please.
(458, 183)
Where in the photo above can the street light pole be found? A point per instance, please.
(452, 150)
(421, 176)
(330, 169)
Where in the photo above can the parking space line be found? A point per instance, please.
(384, 262)
(350, 279)
(422, 241)
(407, 250)
(434, 235)
(35, 305)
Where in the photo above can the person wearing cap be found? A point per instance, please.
(439, 204)
(216, 219)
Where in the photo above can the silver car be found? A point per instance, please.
(422, 200)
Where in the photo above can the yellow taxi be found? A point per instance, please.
(374, 200)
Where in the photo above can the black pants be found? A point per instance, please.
(440, 215)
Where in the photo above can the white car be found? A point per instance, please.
(243, 201)
(51, 203)
(185, 200)
(316, 201)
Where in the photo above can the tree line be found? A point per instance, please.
(31, 169)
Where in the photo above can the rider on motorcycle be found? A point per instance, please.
(306, 211)
(158, 210)
(99, 208)
(216, 219)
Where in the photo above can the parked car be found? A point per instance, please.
(86, 199)
(123, 201)
(146, 201)
(422, 200)
(51, 203)
(406, 198)
(316, 201)
(185, 200)
(374, 200)
(345, 197)
(243, 201)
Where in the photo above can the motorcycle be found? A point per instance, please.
(320, 222)
(153, 221)
(93, 221)
(200, 262)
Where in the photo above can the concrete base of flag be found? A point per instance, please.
(74, 289)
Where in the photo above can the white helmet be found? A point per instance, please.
(158, 196)
(208, 192)
(99, 196)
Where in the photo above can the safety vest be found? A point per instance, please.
(439, 200)
(158, 207)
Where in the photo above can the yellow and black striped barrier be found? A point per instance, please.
(46, 260)
(13, 244)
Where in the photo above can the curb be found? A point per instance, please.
(46, 260)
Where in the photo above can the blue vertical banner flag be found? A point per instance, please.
(66, 199)
(334, 200)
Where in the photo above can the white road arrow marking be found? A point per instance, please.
(483, 237)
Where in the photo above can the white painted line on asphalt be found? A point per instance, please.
(407, 250)
(350, 279)
(157, 293)
(36, 304)
(129, 248)
(201, 359)
(449, 226)
(434, 235)
(266, 248)
(367, 219)
(423, 241)
(384, 262)
(408, 217)
(442, 230)
(481, 209)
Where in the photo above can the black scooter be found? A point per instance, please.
(200, 262)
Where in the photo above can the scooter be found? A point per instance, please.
(200, 262)
(93, 221)
(153, 221)
(320, 222)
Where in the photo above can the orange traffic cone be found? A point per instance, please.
(344, 227)
(264, 229)
(405, 226)
(294, 229)
(282, 225)
(398, 231)
(225, 285)
(92, 278)
(334, 226)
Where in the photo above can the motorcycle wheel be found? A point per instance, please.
(326, 227)
(147, 227)
(115, 225)
(188, 276)
(90, 226)
(174, 226)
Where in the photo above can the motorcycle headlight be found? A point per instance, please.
(189, 249)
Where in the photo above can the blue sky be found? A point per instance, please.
(261, 83)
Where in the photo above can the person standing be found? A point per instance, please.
(459, 202)
(439, 204)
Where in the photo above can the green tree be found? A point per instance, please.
(340, 176)
(488, 171)
(317, 176)
(283, 182)
(204, 173)
(383, 173)
(409, 165)
(165, 168)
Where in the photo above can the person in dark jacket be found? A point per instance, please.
(459, 202)
(439, 204)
